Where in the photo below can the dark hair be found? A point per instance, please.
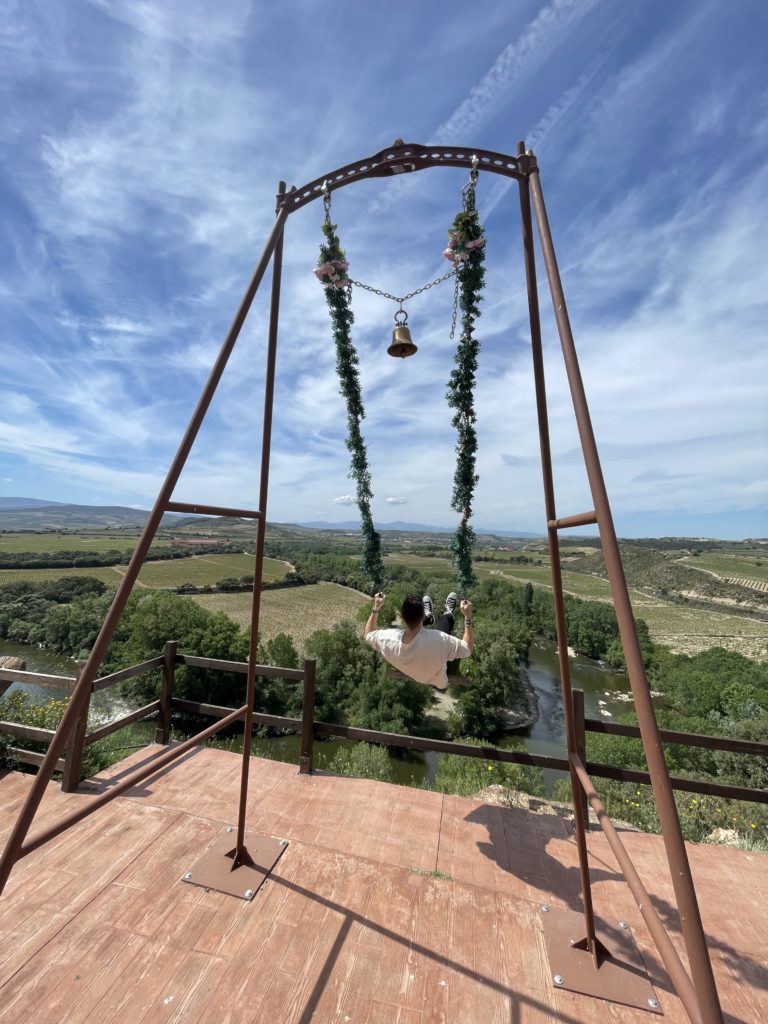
(412, 611)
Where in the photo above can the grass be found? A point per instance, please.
(205, 570)
(684, 628)
(728, 565)
(201, 570)
(298, 611)
(419, 561)
(687, 629)
(107, 574)
(84, 542)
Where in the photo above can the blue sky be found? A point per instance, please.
(142, 143)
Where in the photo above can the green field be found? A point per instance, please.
(205, 570)
(591, 588)
(728, 565)
(297, 611)
(418, 561)
(685, 629)
(123, 540)
(200, 570)
(107, 574)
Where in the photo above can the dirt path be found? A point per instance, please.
(121, 572)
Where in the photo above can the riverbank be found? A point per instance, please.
(526, 713)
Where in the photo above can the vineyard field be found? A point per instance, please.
(297, 611)
(200, 570)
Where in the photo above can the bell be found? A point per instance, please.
(402, 345)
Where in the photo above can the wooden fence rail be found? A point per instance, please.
(167, 703)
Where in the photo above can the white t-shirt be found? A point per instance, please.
(424, 658)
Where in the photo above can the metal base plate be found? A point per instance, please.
(621, 976)
(216, 870)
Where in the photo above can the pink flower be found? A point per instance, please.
(449, 254)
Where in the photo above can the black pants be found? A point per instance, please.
(445, 623)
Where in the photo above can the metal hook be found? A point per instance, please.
(326, 201)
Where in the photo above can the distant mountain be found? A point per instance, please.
(402, 527)
(51, 515)
(25, 502)
(19, 514)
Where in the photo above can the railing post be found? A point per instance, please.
(307, 719)
(163, 730)
(581, 745)
(75, 749)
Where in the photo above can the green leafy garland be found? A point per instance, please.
(466, 247)
(332, 271)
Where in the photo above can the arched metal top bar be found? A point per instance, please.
(403, 158)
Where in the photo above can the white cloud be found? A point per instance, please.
(345, 499)
(521, 58)
(396, 501)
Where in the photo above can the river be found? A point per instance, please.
(105, 705)
(603, 692)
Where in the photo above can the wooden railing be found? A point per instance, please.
(309, 727)
(71, 765)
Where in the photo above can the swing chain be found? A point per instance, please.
(455, 310)
(468, 202)
(403, 298)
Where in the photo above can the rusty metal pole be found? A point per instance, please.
(261, 527)
(81, 694)
(690, 917)
(581, 745)
(554, 552)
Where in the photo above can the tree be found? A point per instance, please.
(745, 769)
(343, 658)
(502, 638)
(279, 696)
(388, 703)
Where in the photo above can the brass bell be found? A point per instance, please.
(402, 345)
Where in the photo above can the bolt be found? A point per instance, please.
(653, 1003)
(188, 875)
(249, 894)
(230, 828)
(283, 842)
(544, 907)
(623, 924)
(558, 979)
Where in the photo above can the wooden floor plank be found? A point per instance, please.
(98, 927)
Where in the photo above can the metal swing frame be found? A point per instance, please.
(697, 991)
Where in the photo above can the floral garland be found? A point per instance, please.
(332, 272)
(466, 248)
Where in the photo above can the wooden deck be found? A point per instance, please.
(351, 928)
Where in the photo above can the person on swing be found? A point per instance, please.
(422, 654)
